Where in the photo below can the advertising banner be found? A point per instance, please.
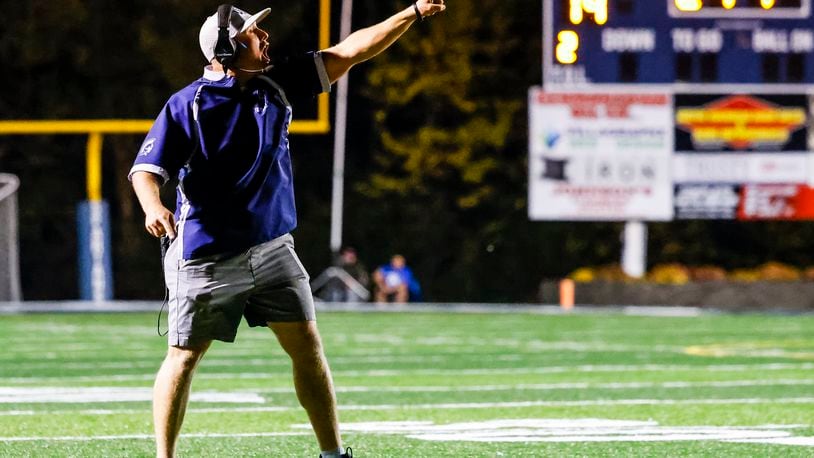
(741, 168)
(756, 123)
(600, 157)
(776, 202)
(707, 201)
(743, 156)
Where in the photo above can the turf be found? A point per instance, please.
(673, 376)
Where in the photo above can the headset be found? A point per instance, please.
(225, 50)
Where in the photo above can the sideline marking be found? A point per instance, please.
(534, 345)
(578, 430)
(592, 368)
(273, 360)
(562, 386)
(442, 406)
(89, 395)
(106, 394)
(147, 436)
(522, 430)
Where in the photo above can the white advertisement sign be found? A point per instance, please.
(732, 167)
(600, 157)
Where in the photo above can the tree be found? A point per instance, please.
(70, 59)
(448, 174)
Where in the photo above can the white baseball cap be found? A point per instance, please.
(239, 21)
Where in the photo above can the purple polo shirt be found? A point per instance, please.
(228, 147)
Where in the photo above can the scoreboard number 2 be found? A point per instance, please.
(567, 47)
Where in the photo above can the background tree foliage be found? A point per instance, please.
(437, 148)
(67, 59)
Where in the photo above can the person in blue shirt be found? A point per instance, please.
(395, 282)
(225, 139)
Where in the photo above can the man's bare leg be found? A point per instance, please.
(380, 296)
(171, 393)
(312, 378)
(402, 294)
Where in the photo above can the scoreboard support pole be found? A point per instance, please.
(634, 249)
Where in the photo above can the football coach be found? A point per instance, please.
(225, 138)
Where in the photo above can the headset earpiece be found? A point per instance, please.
(224, 48)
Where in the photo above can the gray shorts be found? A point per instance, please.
(208, 296)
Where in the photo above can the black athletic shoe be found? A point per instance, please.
(348, 453)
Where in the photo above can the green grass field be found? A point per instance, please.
(427, 385)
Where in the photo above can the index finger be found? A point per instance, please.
(169, 226)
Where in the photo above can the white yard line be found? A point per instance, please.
(578, 385)
(88, 395)
(441, 406)
(589, 368)
(563, 386)
(517, 430)
(441, 372)
(578, 430)
(615, 402)
(381, 340)
(95, 395)
(272, 360)
(147, 436)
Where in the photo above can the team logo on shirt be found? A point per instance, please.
(147, 147)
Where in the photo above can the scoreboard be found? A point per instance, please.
(679, 45)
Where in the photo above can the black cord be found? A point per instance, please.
(165, 245)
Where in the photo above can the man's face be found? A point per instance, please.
(349, 257)
(253, 53)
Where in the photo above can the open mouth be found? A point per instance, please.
(264, 51)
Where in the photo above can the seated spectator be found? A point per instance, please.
(346, 280)
(395, 282)
(349, 262)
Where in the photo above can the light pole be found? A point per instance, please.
(340, 131)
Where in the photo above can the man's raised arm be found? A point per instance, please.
(370, 41)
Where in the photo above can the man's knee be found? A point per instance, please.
(299, 339)
(185, 358)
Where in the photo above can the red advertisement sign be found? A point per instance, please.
(776, 202)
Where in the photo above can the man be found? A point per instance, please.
(395, 282)
(225, 137)
(349, 262)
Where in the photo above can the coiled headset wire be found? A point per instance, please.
(165, 245)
